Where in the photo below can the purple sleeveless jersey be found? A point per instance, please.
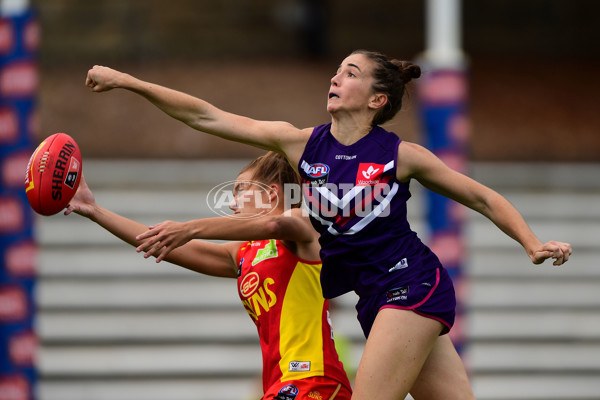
(359, 208)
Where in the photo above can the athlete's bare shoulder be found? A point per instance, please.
(408, 155)
(293, 141)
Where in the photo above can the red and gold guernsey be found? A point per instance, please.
(282, 294)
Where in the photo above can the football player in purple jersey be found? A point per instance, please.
(406, 297)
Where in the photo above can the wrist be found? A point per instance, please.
(95, 213)
(124, 81)
(193, 229)
(133, 84)
(532, 246)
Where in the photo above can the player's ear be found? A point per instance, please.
(378, 100)
(274, 190)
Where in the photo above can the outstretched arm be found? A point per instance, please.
(419, 163)
(203, 257)
(281, 137)
(163, 238)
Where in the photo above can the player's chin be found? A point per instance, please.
(331, 108)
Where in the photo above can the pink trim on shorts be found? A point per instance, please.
(419, 304)
(412, 308)
(446, 324)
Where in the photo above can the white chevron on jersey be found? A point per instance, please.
(343, 202)
(380, 208)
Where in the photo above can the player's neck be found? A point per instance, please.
(348, 131)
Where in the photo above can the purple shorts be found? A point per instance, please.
(432, 297)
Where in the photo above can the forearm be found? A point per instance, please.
(205, 258)
(205, 117)
(506, 217)
(181, 106)
(123, 228)
(235, 227)
(431, 172)
(232, 228)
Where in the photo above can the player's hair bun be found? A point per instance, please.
(407, 70)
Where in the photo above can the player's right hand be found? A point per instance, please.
(101, 79)
(83, 203)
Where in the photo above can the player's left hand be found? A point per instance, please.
(160, 239)
(558, 251)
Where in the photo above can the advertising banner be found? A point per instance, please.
(19, 40)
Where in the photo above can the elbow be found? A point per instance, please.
(492, 205)
(194, 120)
(275, 228)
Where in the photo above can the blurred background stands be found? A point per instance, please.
(113, 325)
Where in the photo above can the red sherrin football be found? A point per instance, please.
(53, 174)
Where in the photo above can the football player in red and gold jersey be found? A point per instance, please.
(274, 255)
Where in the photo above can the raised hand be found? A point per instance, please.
(101, 79)
(558, 251)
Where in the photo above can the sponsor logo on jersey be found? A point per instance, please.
(288, 392)
(397, 294)
(318, 170)
(369, 174)
(401, 265)
(317, 173)
(315, 394)
(345, 157)
(299, 366)
(269, 251)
